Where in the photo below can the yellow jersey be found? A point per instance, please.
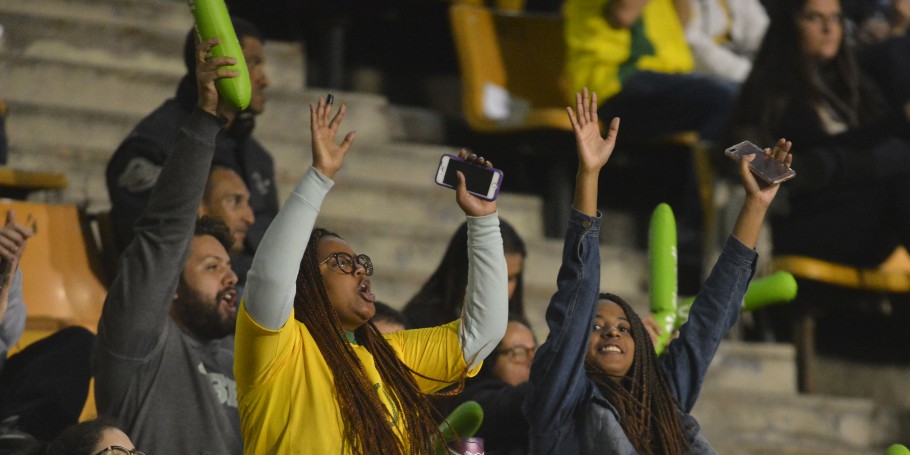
(286, 391)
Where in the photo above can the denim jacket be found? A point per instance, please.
(567, 413)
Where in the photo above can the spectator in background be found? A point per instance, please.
(388, 319)
(43, 387)
(164, 357)
(633, 53)
(725, 35)
(886, 56)
(500, 388)
(227, 197)
(441, 298)
(135, 165)
(851, 202)
(892, 21)
(93, 437)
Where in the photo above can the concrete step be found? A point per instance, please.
(853, 424)
(145, 36)
(758, 367)
(787, 446)
(135, 92)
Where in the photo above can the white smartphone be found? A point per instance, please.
(481, 181)
(764, 166)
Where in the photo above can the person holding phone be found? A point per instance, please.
(851, 201)
(596, 383)
(314, 375)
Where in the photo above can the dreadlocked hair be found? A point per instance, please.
(648, 411)
(367, 422)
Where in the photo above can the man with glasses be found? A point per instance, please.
(163, 361)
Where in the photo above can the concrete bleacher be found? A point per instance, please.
(78, 74)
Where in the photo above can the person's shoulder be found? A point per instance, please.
(153, 136)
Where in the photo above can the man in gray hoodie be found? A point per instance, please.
(163, 361)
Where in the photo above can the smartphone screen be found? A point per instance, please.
(480, 181)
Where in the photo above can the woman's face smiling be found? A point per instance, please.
(612, 348)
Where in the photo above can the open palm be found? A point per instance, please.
(327, 155)
(593, 150)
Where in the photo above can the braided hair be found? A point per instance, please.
(648, 411)
(368, 426)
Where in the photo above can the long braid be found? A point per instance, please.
(648, 411)
(367, 421)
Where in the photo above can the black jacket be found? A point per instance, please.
(134, 167)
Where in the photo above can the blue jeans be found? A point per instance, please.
(657, 104)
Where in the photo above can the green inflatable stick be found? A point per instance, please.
(462, 423)
(779, 287)
(662, 257)
(213, 21)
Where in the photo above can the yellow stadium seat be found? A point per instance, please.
(892, 277)
(61, 279)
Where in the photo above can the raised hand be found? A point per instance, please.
(328, 156)
(207, 72)
(759, 190)
(470, 204)
(12, 244)
(758, 195)
(593, 150)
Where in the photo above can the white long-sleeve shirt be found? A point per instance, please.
(725, 35)
(271, 283)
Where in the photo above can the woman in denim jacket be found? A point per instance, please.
(596, 384)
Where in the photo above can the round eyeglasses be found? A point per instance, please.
(518, 354)
(119, 450)
(346, 263)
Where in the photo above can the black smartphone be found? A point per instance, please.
(763, 166)
(481, 181)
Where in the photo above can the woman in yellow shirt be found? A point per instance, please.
(313, 373)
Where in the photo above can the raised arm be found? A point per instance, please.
(135, 311)
(717, 306)
(271, 283)
(485, 313)
(558, 381)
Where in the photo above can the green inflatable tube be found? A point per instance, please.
(213, 21)
(777, 288)
(463, 422)
(662, 260)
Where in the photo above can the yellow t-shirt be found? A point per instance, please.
(286, 392)
(600, 57)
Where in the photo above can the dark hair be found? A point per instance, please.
(781, 76)
(440, 299)
(385, 312)
(242, 28)
(80, 439)
(365, 417)
(215, 227)
(648, 412)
